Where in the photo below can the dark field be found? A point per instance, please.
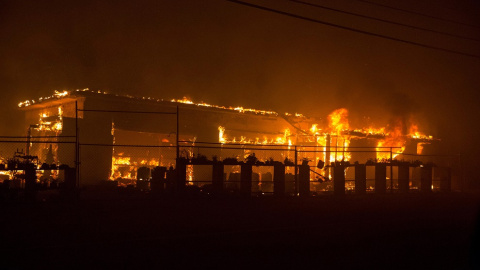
(124, 230)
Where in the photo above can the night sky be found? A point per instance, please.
(229, 54)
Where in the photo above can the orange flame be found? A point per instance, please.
(338, 121)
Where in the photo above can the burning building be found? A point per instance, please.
(119, 134)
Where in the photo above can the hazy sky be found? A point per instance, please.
(228, 54)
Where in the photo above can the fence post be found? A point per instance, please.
(426, 178)
(403, 177)
(246, 179)
(279, 179)
(339, 179)
(218, 176)
(360, 179)
(157, 184)
(304, 180)
(380, 178)
(181, 171)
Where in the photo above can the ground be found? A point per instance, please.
(124, 230)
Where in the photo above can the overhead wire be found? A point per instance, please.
(383, 20)
(353, 29)
(417, 13)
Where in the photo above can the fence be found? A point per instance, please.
(321, 177)
(50, 159)
(131, 165)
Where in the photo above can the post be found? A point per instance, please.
(296, 173)
(403, 177)
(181, 171)
(77, 147)
(304, 181)
(157, 184)
(336, 147)
(278, 179)
(30, 179)
(217, 176)
(27, 151)
(360, 179)
(246, 179)
(327, 155)
(391, 170)
(446, 180)
(380, 178)
(338, 179)
(426, 178)
(178, 135)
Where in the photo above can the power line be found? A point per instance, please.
(352, 29)
(385, 21)
(417, 13)
(110, 111)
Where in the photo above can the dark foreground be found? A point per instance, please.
(127, 231)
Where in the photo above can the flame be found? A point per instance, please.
(420, 147)
(116, 163)
(338, 121)
(239, 109)
(221, 134)
(396, 143)
(282, 140)
(58, 94)
(416, 134)
(185, 100)
(374, 131)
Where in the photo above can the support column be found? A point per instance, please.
(446, 180)
(278, 179)
(157, 184)
(304, 180)
(30, 181)
(403, 177)
(380, 178)
(426, 178)
(217, 177)
(181, 171)
(246, 179)
(339, 180)
(360, 179)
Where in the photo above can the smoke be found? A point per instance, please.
(402, 109)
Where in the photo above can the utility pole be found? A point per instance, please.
(178, 135)
(77, 147)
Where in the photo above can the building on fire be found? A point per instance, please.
(118, 134)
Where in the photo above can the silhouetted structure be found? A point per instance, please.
(304, 180)
(157, 183)
(380, 178)
(403, 177)
(426, 178)
(360, 178)
(246, 179)
(339, 179)
(279, 179)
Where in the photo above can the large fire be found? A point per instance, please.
(331, 141)
(335, 138)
